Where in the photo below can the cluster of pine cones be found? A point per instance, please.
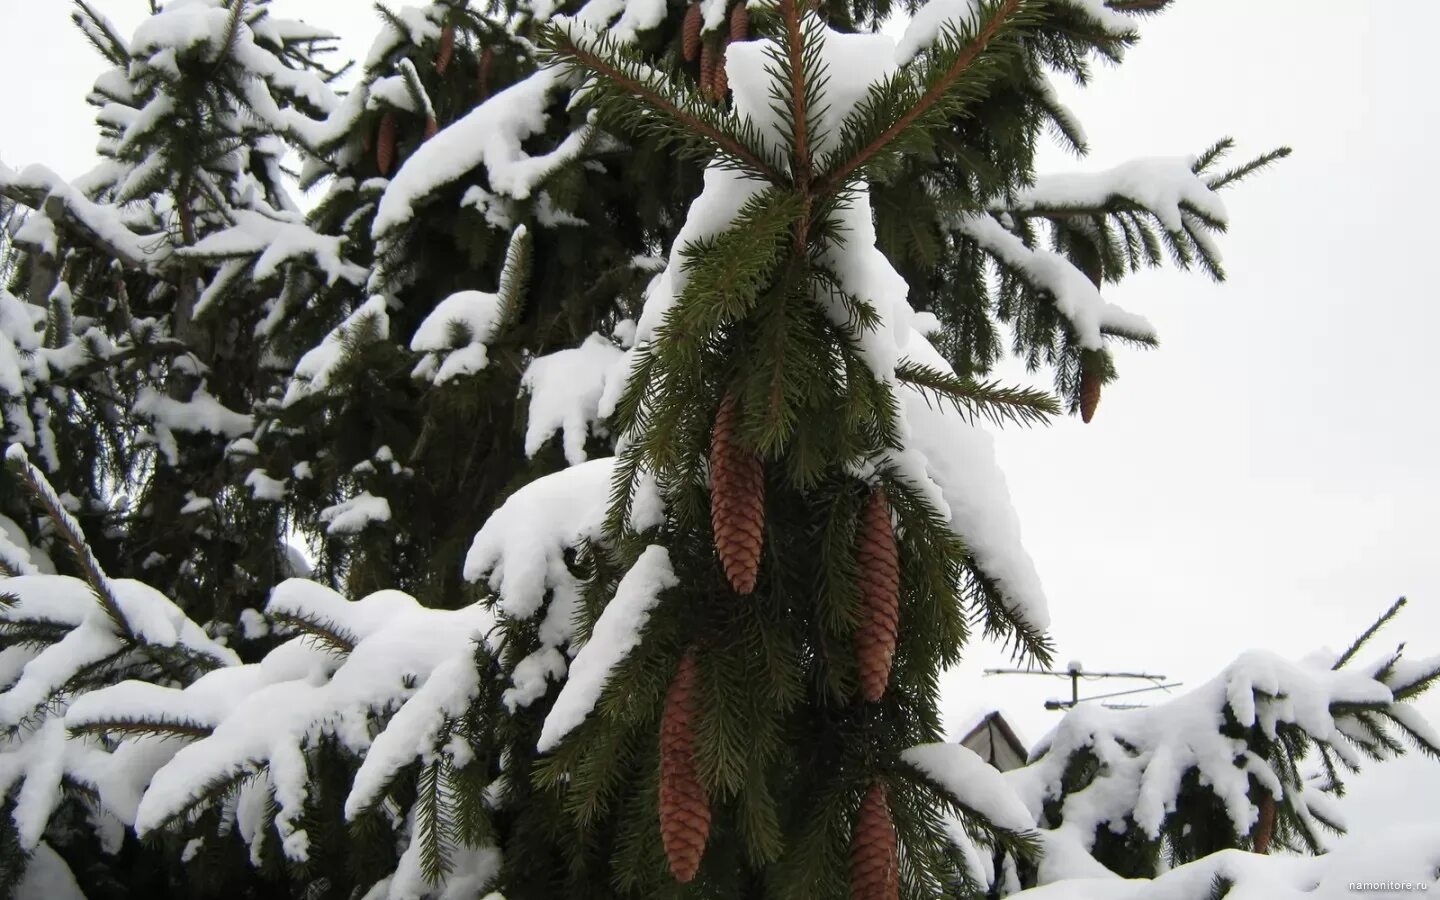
(737, 513)
(710, 50)
(387, 133)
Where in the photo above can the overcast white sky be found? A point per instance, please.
(1267, 477)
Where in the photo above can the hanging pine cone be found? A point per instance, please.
(720, 84)
(1265, 828)
(431, 127)
(487, 62)
(690, 33)
(385, 143)
(874, 857)
(737, 501)
(879, 562)
(684, 806)
(740, 22)
(1090, 381)
(707, 72)
(446, 51)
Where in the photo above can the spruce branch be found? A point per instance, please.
(935, 91)
(329, 636)
(164, 727)
(1262, 161)
(101, 34)
(999, 404)
(637, 99)
(1370, 632)
(1143, 7)
(514, 279)
(44, 495)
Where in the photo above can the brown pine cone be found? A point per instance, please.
(690, 33)
(879, 562)
(874, 856)
(487, 62)
(737, 501)
(684, 806)
(431, 128)
(720, 84)
(446, 51)
(739, 22)
(385, 142)
(707, 72)
(1090, 382)
(1265, 828)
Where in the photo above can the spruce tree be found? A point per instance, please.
(682, 320)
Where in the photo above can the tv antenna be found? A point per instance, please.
(1075, 671)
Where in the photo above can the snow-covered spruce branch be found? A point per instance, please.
(670, 111)
(1264, 742)
(926, 95)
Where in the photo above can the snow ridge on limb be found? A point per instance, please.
(1238, 740)
(61, 637)
(386, 647)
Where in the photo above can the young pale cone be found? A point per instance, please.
(737, 501)
(874, 856)
(684, 806)
(879, 562)
(385, 143)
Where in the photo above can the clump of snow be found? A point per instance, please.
(1145, 754)
(521, 548)
(1075, 294)
(565, 389)
(615, 634)
(492, 135)
(398, 646)
(263, 487)
(972, 781)
(318, 365)
(273, 242)
(1166, 186)
(454, 335)
(356, 514)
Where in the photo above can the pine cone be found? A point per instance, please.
(720, 84)
(874, 857)
(707, 72)
(385, 142)
(487, 62)
(879, 561)
(1265, 828)
(684, 806)
(446, 52)
(737, 501)
(690, 33)
(431, 128)
(739, 22)
(1089, 391)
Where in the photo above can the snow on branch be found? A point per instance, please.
(313, 373)
(491, 135)
(615, 634)
(272, 243)
(396, 646)
(1076, 296)
(40, 189)
(1238, 730)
